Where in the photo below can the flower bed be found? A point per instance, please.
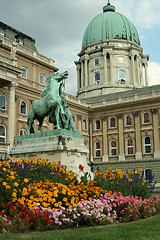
(36, 194)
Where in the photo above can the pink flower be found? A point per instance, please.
(121, 212)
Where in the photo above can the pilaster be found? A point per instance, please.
(138, 147)
(156, 134)
(11, 113)
(121, 138)
(105, 146)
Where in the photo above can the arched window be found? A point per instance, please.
(112, 122)
(122, 76)
(113, 148)
(42, 79)
(23, 107)
(129, 146)
(25, 72)
(2, 134)
(129, 120)
(97, 77)
(22, 132)
(97, 125)
(146, 118)
(148, 174)
(147, 145)
(84, 124)
(3, 102)
(97, 149)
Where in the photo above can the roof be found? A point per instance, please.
(110, 25)
(16, 31)
(124, 94)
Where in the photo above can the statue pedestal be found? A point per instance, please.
(55, 145)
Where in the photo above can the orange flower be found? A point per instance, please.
(64, 199)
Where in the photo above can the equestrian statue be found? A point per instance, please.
(51, 104)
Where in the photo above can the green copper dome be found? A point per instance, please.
(109, 25)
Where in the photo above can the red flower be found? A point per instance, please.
(28, 219)
(8, 204)
(81, 168)
(13, 208)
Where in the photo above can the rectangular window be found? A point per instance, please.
(25, 72)
(96, 62)
(2, 32)
(42, 79)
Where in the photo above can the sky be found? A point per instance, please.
(58, 27)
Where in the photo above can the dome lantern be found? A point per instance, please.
(109, 7)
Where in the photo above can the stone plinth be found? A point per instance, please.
(55, 145)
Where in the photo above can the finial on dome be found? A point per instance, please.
(109, 7)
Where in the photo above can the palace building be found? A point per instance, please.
(116, 111)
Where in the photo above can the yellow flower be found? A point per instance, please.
(64, 191)
(56, 204)
(14, 194)
(8, 187)
(14, 199)
(59, 203)
(12, 173)
(4, 184)
(16, 184)
(26, 180)
(12, 177)
(67, 204)
(64, 199)
(4, 169)
(53, 200)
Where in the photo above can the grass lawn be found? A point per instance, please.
(139, 230)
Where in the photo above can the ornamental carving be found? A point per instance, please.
(136, 114)
(119, 116)
(154, 110)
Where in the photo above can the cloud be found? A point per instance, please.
(154, 73)
(144, 14)
(58, 27)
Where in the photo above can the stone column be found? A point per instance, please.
(82, 74)
(11, 113)
(138, 147)
(111, 67)
(90, 139)
(105, 141)
(105, 67)
(156, 134)
(78, 77)
(138, 77)
(86, 71)
(146, 73)
(133, 68)
(121, 140)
